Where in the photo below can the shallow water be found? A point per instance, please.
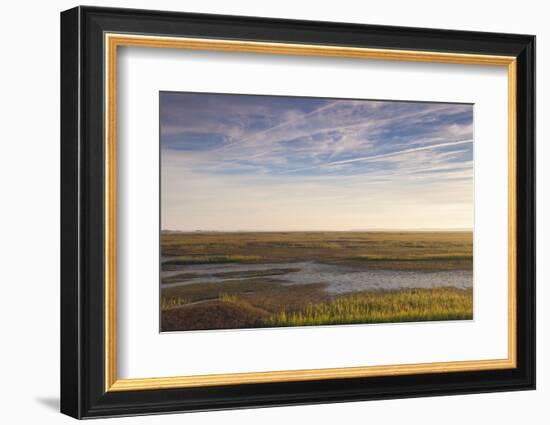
(340, 279)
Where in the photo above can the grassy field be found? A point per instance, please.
(394, 250)
(260, 298)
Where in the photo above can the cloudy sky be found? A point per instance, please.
(241, 162)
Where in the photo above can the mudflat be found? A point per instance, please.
(219, 280)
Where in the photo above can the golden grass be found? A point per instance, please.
(227, 298)
(255, 298)
(272, 309)
(406, 250)
(183, 260)
(410, 305)
(173, 302)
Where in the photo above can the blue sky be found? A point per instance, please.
(241, 162)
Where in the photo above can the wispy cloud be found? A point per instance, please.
(391, 154)
(285, 124)
(391, 164)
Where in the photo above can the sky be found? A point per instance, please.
(281, 163)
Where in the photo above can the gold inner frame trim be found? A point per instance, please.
(113, 41)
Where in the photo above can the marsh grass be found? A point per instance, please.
(414, 257)
(194, 292)
(404, 250)
(381, 307)
(183, 260)
(223, 297)
(256, 298)
(173, 302)
(285, 307)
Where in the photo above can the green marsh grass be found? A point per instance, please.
(173, 302)
(381, 307)
(404, 250)
(223, 297)
(258, 298)
(183, 260)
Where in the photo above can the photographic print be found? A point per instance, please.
(281, 211)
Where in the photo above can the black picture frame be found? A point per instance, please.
(83, 392)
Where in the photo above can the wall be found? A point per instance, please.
(29, 228)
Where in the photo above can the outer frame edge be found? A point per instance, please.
(70, 348)
(103, 406)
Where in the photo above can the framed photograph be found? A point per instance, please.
(261, 212)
